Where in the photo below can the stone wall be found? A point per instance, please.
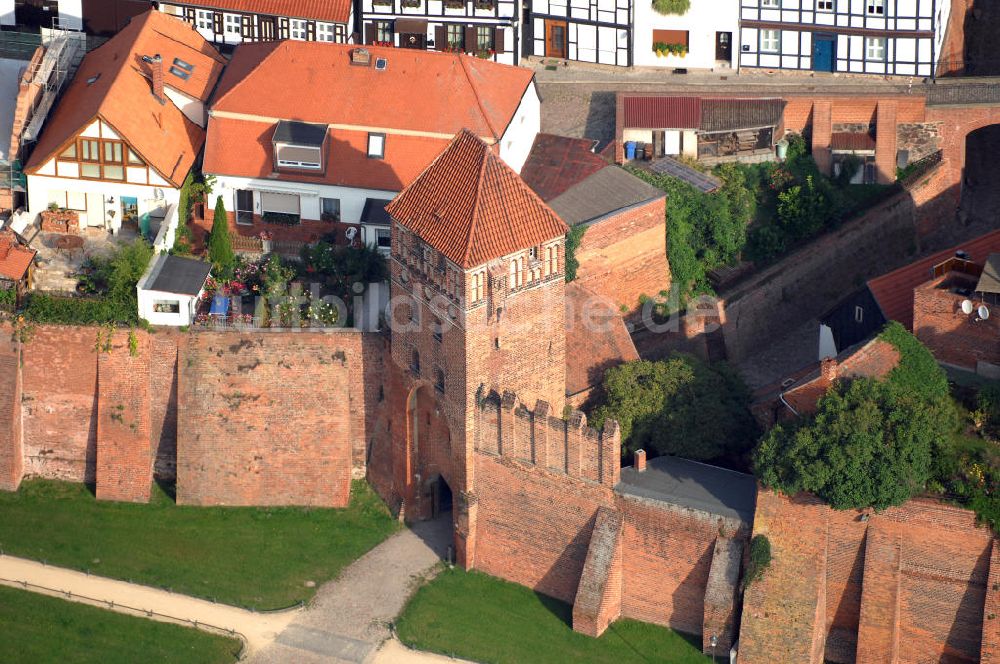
(919, 139)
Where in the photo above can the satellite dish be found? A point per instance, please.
(966, 307)
(984, 313)
(351, 233)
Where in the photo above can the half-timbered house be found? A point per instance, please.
(885, 37)
(598, 31)
(480, 27)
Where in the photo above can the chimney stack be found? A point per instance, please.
(156, 64)
(640, 460)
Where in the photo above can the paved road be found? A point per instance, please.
(347, 622)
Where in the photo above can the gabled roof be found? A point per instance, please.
(472, 207)
(707, 114)
(419, 91)
(333, 11)
(15, 258)
(894, 291)
(113, 84)
(557, 163)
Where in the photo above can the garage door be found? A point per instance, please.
(285, 203)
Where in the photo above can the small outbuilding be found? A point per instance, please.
(170, 289)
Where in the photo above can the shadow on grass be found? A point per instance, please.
(558, 608)
(169, 488)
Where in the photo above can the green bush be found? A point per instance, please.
(8, 299)
(573, 239)
(871, 442)
(760, 559)
(220, 246)
(671, 6)
(682, 406)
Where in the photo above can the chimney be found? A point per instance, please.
(828, 368)
(640, 461)
(156, 66)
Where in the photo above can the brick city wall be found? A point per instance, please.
(11, 442)
(778, 299)
(908, 584)
(266, 418)
(625, 257)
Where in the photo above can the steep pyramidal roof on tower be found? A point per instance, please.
(472, 207)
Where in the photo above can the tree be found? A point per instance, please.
(871, 442)
(680, 406)
(220, 247)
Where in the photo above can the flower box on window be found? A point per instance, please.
(282, 218)
(454, 4)
(330, 216)
(411, 4)
(382, 3)
(485, 5)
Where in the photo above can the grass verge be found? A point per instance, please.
(260, 558)
(482, 618)
(37, 628)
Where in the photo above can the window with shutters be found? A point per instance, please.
(203, 19)
(456, 37)
(297, 29)
(383, 32)
(484, 38)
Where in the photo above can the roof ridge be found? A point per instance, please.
(479, 144)
(274, 48)
(475, 93)
(213, 54)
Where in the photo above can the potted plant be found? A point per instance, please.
(454, 4)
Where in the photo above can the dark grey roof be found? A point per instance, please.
(173, 274)
(374, 211)
(694, 177)
(989, 280)
(694, 485)
(299, 133)
(736, 114)
(607, 191)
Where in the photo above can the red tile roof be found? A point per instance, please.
(850, 140)
(333, 11)
(15, 258)
(873, 359)
(243, 148)
(121, 95)
(596, 339)
(556, 163)
(419, 91)
(894, 291)
(469, 205)
(662, 112)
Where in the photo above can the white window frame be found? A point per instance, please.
(204, 19)
(770, 41)
(875, 48)
(770, 4)
(826, 5)
(376, 145)
(875, 7)
(326, 32)
(297, 29)
(234, 24)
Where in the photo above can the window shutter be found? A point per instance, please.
(470, 39)
(189, 14)
(217, 22)
(498, 40)
(369, 33)
(440, 37)
(282, 27)
(246, 27)
(311, 31)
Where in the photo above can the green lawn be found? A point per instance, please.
(479, 617)
(37, 628)
(255, 557)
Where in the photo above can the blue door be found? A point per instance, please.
(823, 53)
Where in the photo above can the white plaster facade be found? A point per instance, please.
(221, 27)
(710, 28)
(163, 308)
(597, 31)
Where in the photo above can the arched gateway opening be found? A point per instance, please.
(981, 178)
(429, 455)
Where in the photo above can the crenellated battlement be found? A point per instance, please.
(507, 428)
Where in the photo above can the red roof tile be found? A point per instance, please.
(419, 91)
(14, 257)
(662, 112)
(469, 205)
(596, 339)
(556, 163)
(894, 291)
(121, 95)
(873, 359)
(334, 11)
(243, 148)
(850, 140)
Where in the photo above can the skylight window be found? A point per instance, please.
(183, 65)
(93, 78)
(180, 73)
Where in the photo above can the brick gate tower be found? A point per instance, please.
(477, 306)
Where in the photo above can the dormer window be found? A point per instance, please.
(299, 145)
